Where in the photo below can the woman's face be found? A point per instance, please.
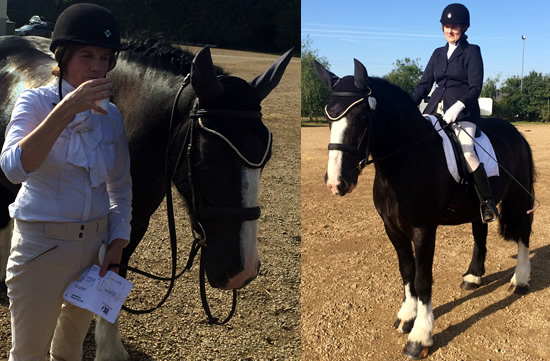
(452, 32)
(88, 62)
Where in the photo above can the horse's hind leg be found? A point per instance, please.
(520, 281)
(515, 224)
(108, 342)
(471, 280)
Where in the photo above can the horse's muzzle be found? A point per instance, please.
(243, 278)
(342, 187)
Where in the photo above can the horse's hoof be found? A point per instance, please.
(519, 289)
(469, 286)
(404, 326)
(415, 350)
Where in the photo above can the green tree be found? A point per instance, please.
(315, 94)
(490, 88)
(528, 102)
(406, 74)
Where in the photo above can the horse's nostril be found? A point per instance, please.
(342, 186)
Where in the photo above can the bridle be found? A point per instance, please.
(364, 142)
(199, 211)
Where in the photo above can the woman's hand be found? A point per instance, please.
(113, 255)
(84, 97)
(451, 114)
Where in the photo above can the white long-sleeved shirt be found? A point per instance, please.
(85, 176)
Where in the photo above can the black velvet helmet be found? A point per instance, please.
(86, 24)
(456, 14)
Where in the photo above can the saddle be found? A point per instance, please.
(456, 163)
(457, 148)
(453, 152)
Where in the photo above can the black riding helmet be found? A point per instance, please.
(456, 14)
(86, 24)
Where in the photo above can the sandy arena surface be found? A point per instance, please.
(351, 287)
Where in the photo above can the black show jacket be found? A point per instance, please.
(458, 78)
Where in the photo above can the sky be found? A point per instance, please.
(379, 32)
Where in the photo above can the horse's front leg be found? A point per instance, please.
(402, 244)
(108, 342)
(420, 339)
(471, 280)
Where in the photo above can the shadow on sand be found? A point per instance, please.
(540, 280)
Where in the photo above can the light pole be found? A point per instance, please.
(522, 52)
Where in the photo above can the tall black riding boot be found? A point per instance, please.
(488, 207)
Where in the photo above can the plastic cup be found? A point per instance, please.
(103, 103)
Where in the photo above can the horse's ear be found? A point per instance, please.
(326, 76)
(203, 76)
(263, 84)
(361, 76)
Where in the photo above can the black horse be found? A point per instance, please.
(184, 118)
(413, 191)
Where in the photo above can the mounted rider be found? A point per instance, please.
(457, 71)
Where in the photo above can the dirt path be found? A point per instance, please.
(266, 325)
(351, 288)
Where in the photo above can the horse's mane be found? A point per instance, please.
(396, 100)
(160, 54)
(399, 97)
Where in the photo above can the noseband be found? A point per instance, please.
(365, 138)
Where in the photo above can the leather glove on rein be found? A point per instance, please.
(452, 113)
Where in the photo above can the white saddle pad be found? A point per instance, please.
(483, 147)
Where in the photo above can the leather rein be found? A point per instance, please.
(198, 213)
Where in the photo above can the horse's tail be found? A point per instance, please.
(515, 219)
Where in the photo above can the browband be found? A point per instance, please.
(345, 111)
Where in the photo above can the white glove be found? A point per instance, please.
(452, 113)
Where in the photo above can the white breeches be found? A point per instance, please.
(465, 131)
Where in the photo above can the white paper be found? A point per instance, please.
(102, 296)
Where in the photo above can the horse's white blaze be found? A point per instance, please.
(334, 167)
(249, 230)
(523, 268)
(108, 343)
(5, 242)
(409, 306)
(423, 325)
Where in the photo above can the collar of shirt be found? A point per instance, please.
(452, 48)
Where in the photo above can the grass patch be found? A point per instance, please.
(316, 122)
